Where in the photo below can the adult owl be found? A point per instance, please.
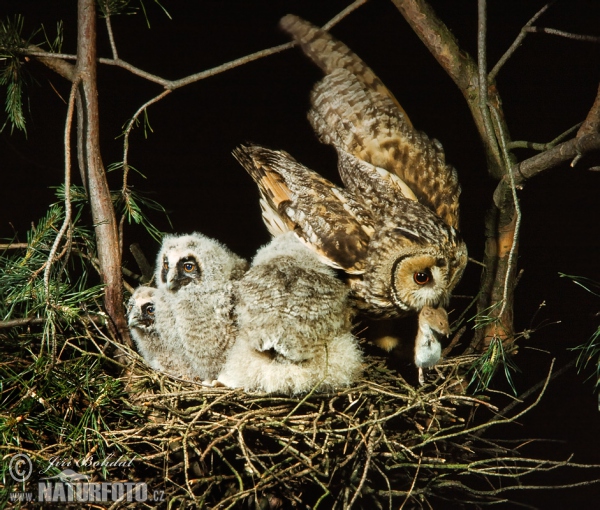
(393, 226)
(294, 325)
(198, 275)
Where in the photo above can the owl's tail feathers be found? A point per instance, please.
(337, 364)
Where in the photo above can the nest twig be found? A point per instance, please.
(381, 443)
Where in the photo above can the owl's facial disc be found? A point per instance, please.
(418, 281)
(142, 318)
(147, 315)
(188, 271)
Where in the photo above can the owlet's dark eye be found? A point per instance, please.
(422, 277)
(188, 267)
(150, 309)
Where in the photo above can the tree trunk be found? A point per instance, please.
(103, 213)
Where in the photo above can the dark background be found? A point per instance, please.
(547, 87)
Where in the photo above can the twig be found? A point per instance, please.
(146, 268)
(483, 79)
(343, 13)
(515, 238)
(414, 481)
(111, 36)
(127, 132)
(530, 391)
(545, 161)
(543, 146)
(67, 221)
(562, 33)
(170, 85)
(517, 42)
(14, 246)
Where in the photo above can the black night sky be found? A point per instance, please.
(547, 87)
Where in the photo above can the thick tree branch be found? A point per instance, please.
(105, 224)
(50, 60)
(459, 66)
(551, 158)
(591, 124)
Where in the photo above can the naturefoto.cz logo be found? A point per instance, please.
(69, 486)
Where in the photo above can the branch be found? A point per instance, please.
(591, 124)
(518, 144)
(516, 43)
(562, 33)
(56, 61)
(459, 66)
(67, 221)
(103, 213)
(146, 268)
(527, 169)
(541, 384)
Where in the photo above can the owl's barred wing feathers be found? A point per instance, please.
(355, 112)
(330, 54)
(294, 198)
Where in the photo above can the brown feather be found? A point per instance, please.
(355, 112)
(323, 216)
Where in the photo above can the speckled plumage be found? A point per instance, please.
(354, 111)
(199, 275)
(294, 323)
(392, 228)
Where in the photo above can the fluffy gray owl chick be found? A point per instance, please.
(294, 321)
(199, 275)
(152, 326)
(433, 324)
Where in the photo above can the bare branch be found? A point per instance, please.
(343, 13)
(516, 43)
(546, 160)
(483, 79)
(14, 323)
(103, 213)
(127, 132)
(543, 146)
(111, 36)
(146, 268)
(562, 33)
(14, 246)
(51, 59)
(530, 391)
(67, 220)
(459, 66)
(508, 278)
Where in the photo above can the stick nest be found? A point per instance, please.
(379, 444)
(375, 444)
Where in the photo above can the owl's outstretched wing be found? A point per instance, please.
(353, 111)
(294, 198)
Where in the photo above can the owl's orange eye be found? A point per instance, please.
(165, 265)
(188, 267)
(150, 309)
(421, 277)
